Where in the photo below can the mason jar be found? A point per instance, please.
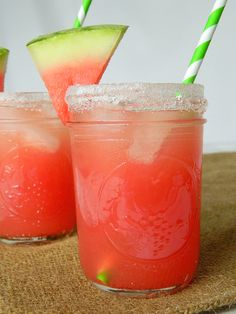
(36, 179)
(137, 162)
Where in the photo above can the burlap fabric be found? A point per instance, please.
(48, 279)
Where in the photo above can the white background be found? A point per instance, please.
(157, 48)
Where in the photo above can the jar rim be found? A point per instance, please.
(29, 99)
(39, 103)
(137, 97)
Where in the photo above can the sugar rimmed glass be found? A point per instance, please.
(137, 161)
(36, 180)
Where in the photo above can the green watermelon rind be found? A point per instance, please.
(3, 58)
(39, 39)
(66, 47)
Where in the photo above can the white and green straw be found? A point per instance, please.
(82, 13)
(204, 42)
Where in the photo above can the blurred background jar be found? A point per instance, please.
(36, 181)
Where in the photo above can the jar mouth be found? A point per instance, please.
(137, 97)
(25, 99)
(26, 106)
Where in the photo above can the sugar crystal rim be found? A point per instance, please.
(137, 97)
(35, 102)
(25, 99)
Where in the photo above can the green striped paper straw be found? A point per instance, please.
(204, 42)
(82, 13)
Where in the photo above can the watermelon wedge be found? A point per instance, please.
(3, 64)
(74, 56)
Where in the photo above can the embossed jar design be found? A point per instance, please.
(36, 181)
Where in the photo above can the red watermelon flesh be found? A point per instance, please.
(1, 82)
(76, 56)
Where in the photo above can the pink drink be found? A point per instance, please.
(137, 157)
(36, 182)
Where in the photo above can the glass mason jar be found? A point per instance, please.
(36, 178)
(137, 160)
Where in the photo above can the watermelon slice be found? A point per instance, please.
(75, 56)
(3, 64)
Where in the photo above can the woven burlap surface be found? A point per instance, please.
(48, 278)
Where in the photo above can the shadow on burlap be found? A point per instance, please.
(48, 279)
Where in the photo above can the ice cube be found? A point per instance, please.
(20, 122)
(151, 130)
(147, 142)
(39, 137)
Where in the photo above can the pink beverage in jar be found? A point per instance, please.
(36, 181)
(137, 160)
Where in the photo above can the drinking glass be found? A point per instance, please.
(36, 178)
(137, 162)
